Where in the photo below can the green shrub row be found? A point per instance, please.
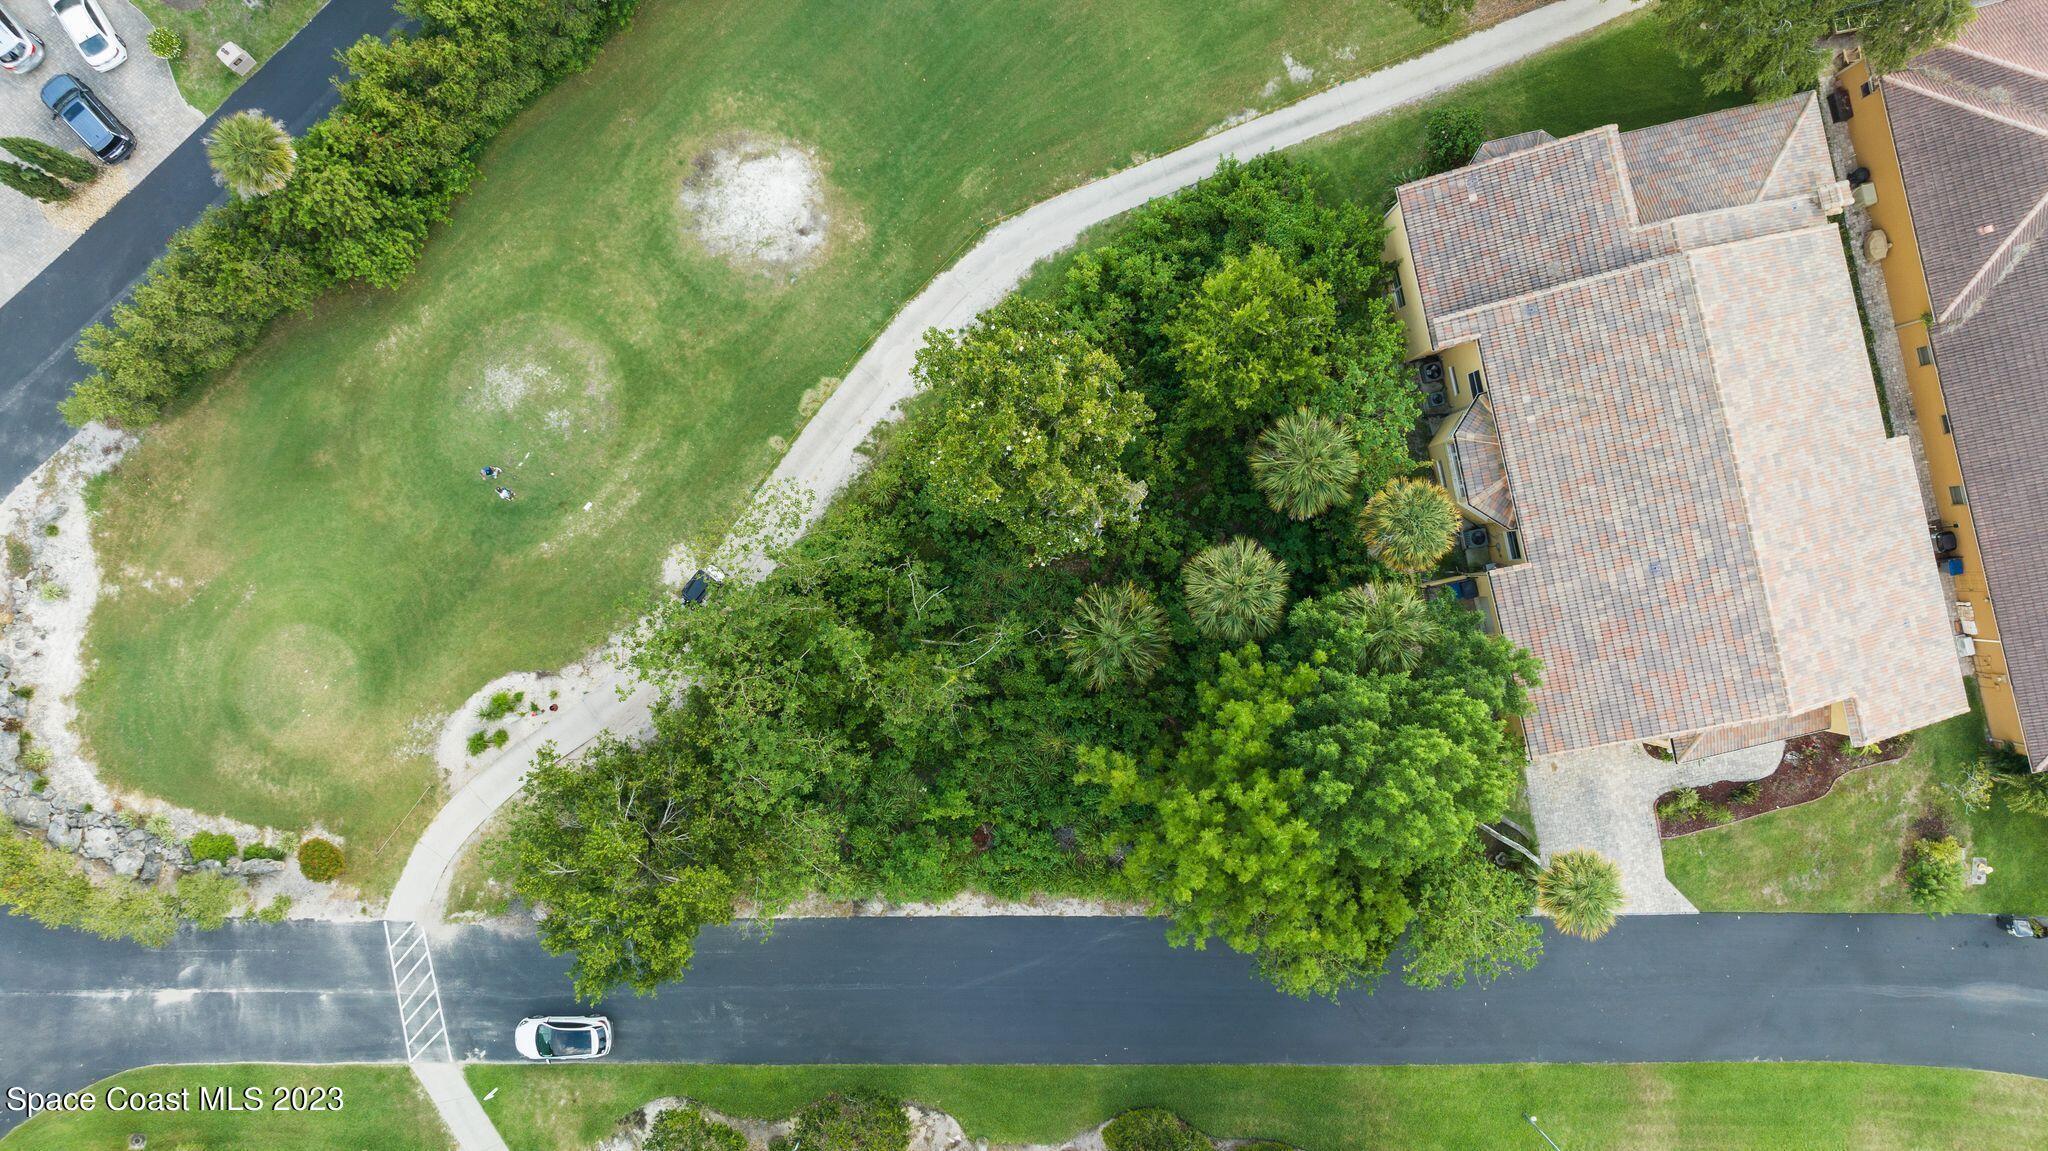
(371, 179)
(51, 888)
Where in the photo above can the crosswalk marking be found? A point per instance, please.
(419, 995)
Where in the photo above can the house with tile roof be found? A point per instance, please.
(1656, 401)
(1955, 150)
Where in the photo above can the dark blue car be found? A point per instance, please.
(71, 101)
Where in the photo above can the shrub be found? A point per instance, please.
(205, 845)
(207, 898)
(2026, 794)
(500, 705)
(853, 1122)
(35, 758)
(500, 737)
(52, 159)
(52, 591)
(1451, 134)
(477, 742)
(166, 43)
(1681, 805)
(1151, 1129)
(1748, 793)
(320, 860)
(161, 827)
(1934, 874)
(34, 183)
(276, 910)
(687, 1129)
(263, 851)
(51, 529)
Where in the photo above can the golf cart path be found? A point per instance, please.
(825, 455)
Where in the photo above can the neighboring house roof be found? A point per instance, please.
(1971, 124)
(1717, 530)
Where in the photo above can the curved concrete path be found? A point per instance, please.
(825, 457)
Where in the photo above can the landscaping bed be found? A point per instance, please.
(1807, 771)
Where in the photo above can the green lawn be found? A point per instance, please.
(382, 1110)
(1842, 852)
(204, 80)
(309, 570)
(1637, 1107)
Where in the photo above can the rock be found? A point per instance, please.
(150, 869)
(128, 864)
(99, 843)
(209, 865)
(61, 834)
(29, 811)
(255, 867)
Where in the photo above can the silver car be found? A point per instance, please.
(20, 49)
(87, 25)
(549, 1038)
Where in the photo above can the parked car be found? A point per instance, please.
(2023, 926)
(548, 1038)
(20, 49)
(69, 100)
(87, 25)
(700, 585)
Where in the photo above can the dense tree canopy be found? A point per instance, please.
(1073, 542)
(1772, 48)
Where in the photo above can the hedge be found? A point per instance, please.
(372, 178)
(51, 888)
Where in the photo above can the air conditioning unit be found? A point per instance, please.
(1476, 537)
(1430, 370)
(1965, 645)
(1437, 401)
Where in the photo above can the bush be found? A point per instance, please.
(166, 43)
(320, 860)
(205, 845)
(500, 737)
(1451, 134)
(263, 851)
(501, 704)
(1934, 874)
(1748, 793)
(853, 1122)
(1151, 1129)
(2026, 794)
(275, 910)
(35, 758)
(161, 827)
(687, 1129)
(207, 898)
(34, 183)
(1683, 804)
(477, 742)
(52, 159)
(375, 176)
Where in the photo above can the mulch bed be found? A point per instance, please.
(1808, 770)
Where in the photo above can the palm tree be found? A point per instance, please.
(1581, 892)
(1117, 635)
(252, 154)
(1409, 525)
(1235, 591)
(1305, 463)
(1399, 626)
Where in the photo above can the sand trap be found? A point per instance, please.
(757, 204)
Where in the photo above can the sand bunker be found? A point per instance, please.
(757, 204)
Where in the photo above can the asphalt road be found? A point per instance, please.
(39, 327)
(1887, 989)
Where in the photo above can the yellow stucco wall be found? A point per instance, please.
(1906, 285)
(1410, 303)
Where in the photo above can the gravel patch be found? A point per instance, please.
(758, 204)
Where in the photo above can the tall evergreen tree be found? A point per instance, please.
(50, 158)
(33, 183)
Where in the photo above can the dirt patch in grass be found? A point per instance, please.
(1807, 771)
(758, 204)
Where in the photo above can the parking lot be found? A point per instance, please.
(140, 91)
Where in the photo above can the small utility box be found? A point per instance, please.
(237, 61)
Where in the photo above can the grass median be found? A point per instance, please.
(1642, 1107)
(341, 1107)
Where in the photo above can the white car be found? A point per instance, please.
(87, 25)
(20, 49)
(549, 1038)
